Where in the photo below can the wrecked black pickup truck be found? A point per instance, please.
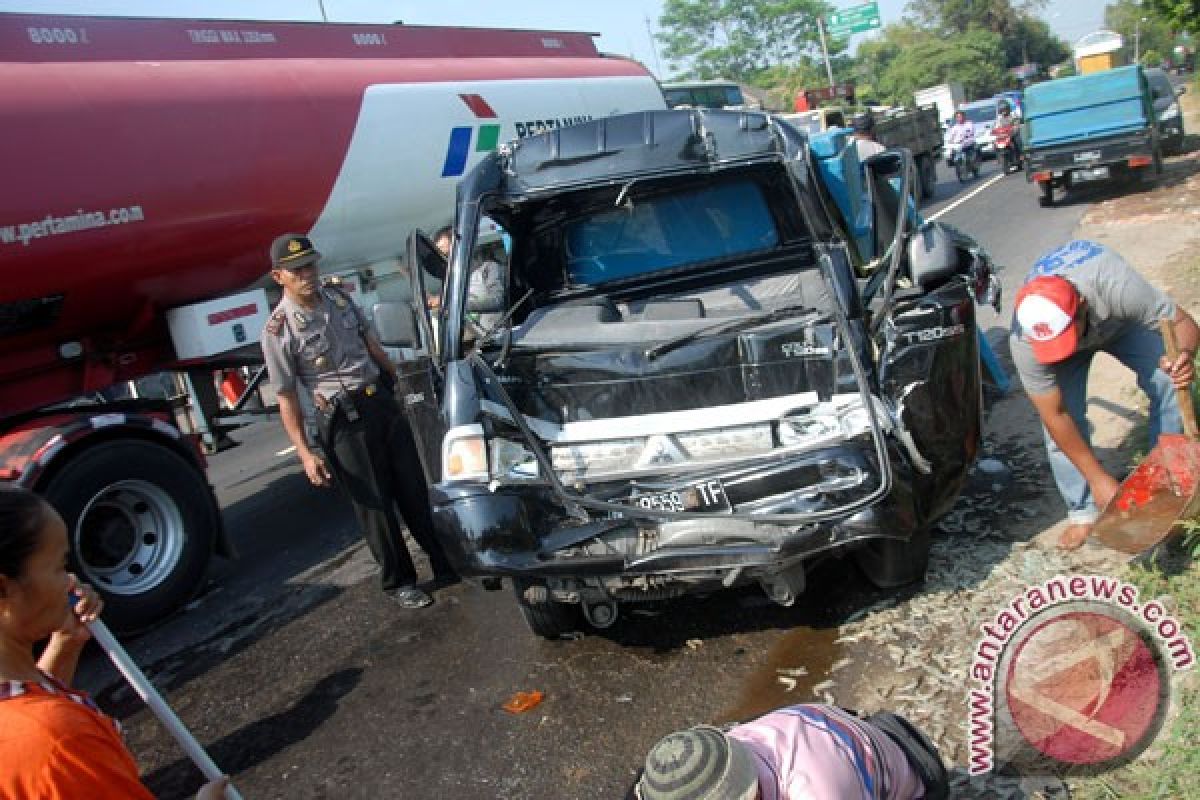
(720, 349)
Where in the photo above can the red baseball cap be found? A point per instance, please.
(1046, 309)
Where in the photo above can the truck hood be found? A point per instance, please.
(779, 398)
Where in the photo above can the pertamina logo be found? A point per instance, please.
(459, 148)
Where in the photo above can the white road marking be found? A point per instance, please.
(962, 200)
(286, 452)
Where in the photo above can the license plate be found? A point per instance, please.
(1086, 156)
(1093, 174)
(704, 496)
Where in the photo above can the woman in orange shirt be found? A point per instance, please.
(54, 742)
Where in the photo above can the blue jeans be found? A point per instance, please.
(1139, 349)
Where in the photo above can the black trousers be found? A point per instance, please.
(374, 461)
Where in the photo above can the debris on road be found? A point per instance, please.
(521, 702)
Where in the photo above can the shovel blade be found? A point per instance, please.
(1156, 496)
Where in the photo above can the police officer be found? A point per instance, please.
(317, 342)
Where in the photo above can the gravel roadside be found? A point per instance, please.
(912, 653)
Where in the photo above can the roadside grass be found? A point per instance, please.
(1171, 767)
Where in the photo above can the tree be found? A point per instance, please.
(906, 58)
(740, 39)
(1183, 15)
(960, 16)
(1032, 42)
(1027, 38)
(1125, 17)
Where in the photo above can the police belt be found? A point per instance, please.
(348, 401)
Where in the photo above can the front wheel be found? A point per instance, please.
(962, 170)
(1046, 198)
(545, 617)
(889, 563)
(140, 526)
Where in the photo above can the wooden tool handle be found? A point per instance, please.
(1184, 396)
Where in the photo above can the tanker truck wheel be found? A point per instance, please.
(140, 528)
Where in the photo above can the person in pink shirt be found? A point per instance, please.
(802, 752)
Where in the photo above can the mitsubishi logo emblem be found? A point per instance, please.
(660, 450)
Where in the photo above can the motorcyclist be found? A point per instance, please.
(961, 134)
(1005, 118)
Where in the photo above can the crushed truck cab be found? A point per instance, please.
(723, 349)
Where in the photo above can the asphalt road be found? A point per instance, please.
(304, 681)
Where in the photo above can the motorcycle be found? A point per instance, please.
(1006, 148)
(964, 159)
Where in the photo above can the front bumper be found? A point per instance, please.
(524, 531)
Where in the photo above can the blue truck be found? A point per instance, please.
(1094, 127)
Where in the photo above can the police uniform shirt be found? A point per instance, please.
(319, 349)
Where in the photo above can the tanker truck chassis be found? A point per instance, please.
(151, 162)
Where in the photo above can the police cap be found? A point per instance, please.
(293, 251)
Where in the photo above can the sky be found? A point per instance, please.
(624, 25)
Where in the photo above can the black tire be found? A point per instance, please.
(927, 172)
(962, 170)
(888, 563)
(1046, 198)
(549, 619)
(140, 525)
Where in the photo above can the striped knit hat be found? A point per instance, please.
(701, 763)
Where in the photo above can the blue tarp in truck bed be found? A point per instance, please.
(1085, 107)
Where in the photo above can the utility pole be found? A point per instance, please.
(1137, 39)
(653, 48)
(825, 51)
(321, 5)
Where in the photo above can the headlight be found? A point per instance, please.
(512, 460)
(464, 454)
(1171, 113)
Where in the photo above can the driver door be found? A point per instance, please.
(421, 377)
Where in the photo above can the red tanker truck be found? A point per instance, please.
(149, 162)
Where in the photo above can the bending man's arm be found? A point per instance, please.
(293, 422)
(1187, 333)
(1066, 435)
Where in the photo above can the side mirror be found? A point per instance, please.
(396, 325)
(1180, 91)
(485, 290)
(932, 256)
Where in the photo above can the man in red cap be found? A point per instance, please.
(1080, 299)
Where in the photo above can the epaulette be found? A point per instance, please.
(275, 323)
(332, 280)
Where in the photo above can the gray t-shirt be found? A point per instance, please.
(1117, 298)
(321, 350)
